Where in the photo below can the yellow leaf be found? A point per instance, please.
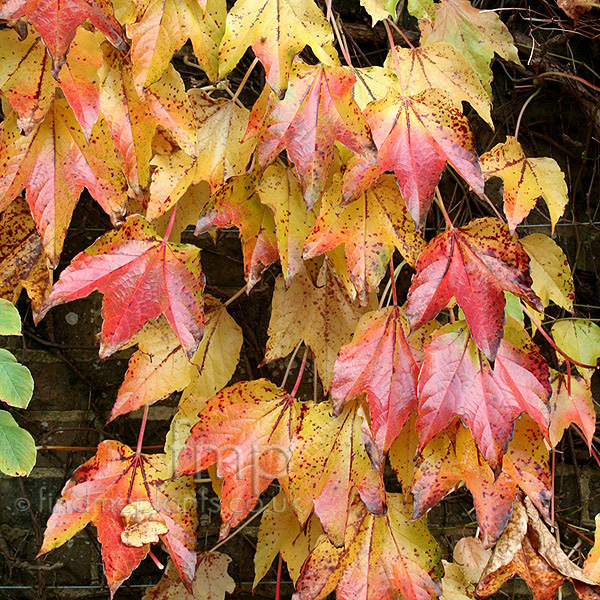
(591, 566)
(580, 340)
(455, 585)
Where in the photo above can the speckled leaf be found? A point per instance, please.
(99, 490)
(456, 381)
(141, 277)
(332, 456)
(379, 363)
(57, 22)
(422, 9)
(455, 585)
(416, 136)
(237, 203)
(475, 264)
(322, 315)
(165, 26)
(403, 454)
(17, 447)
(55, 163)
(525, 180)
(370, 227)
(246, 430)
(277, 30)
(381, 557)
(211, 581)
(571, 404)
(317, 110)
(579, 339)
(475, 33)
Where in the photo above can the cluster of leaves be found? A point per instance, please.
(332, 170)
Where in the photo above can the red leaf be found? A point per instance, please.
(474, 264)
(142, 277)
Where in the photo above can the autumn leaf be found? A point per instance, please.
(402, 456)
(476, 34)
(525, 180)
(55, 163)
(381, 557)
(379, 363)
(321, 314)
(246, 430)
(474, 264)
(141, 277)
(317, 110)
(339, 456)
(472, 557)
(380, 10)
(571, 403)
(370, 227)
(590, 566)
(455, 585)
(163, 29)
(580, 340)
(57, 21)
(211, 581)
(277, 30)
(416, 136)
(102, 487)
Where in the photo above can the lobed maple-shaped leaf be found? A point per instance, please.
(163, 29)
(55, 163)
(277, 30)
(525, 180)
(317, 110)
(370, 227)
(474, 264)
(580, 340)
(23, 262)
(456, 381)
(116, 478)
(381, 557)
(416, 136)
(331, 457)
(57, 21)
(246, 430)
(476, 34)
(571, 403)
(211, 580)
(141, 277)
(320, 313)
(237, 203)
(379, 362)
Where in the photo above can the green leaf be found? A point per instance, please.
(579, 339)
(17, 447)
(10, 320)
(16, 382)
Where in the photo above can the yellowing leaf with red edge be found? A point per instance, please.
(26, 81)
(456, 381)
(57, 21)
(129, 119)
(370, 227)
(475, 33)
(380, 558)
(474, 264)
(439, 65)
(339, 455)
(163, 29)
(237, 203)
(55, 163)
(416, 136)
(281, 191)
(550, 271)
(571, 404)
(277, 30)
(99, 490)
(211, 581)
(246, 430)
(219, 153)
(525, 180)
(317, 110)
(580, 340)
(379, 363)
(22, 259)
(321, 314)
(141, 277)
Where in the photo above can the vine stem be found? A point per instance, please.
(300, 373)
(245, 79)
(522, 111)
(440, 203)
(393, 280)
(539, 327)
(170, 225)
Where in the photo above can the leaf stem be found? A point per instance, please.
(156, 561)
(338, 35)
(522, 111)
(440, 203)
(278, 584)
(289, 366)
(240, 528)
(391, 21)
(170, 225)
(393, 280)
(245, 79)
(300, 373)
(138, 450)
(234, 297)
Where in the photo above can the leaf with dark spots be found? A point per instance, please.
(141, 277)
(474, 264)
